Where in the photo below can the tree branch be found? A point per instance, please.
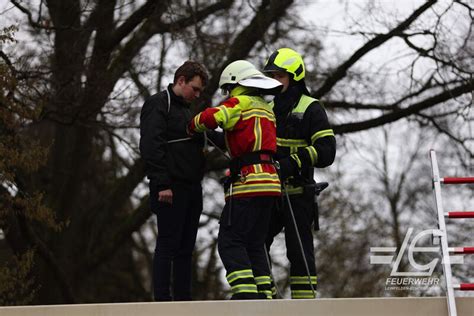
(412, 109)
(356, 106)
(108, 247)
(120, 193)
(266, 15)
(137, 17)
(94, 100)
(144, 92)
(383, 107)
(8, 62)
(20, 234)
(50, 259)
(426, 53)
(450, 135)
(340, 72)
(30, 16)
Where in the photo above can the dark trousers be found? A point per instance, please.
(241, 246)
(177, 230)
(304, 210)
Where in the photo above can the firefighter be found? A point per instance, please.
(304, 140)
(254, 186)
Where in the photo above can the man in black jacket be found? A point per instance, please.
(304, 140)
(174, 164)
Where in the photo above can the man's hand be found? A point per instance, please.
(166, 196)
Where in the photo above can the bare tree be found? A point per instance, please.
(94, 62)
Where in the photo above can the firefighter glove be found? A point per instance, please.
(288, 168)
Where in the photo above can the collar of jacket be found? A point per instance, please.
(176, 99)
(286, 101)
(241, 90)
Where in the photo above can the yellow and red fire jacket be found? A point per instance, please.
(249, 125)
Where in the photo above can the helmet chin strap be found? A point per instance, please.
(225, 92)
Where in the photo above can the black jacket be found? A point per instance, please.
(166, 161)
(304, 127)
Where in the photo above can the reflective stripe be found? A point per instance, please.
(227, 117)
(257, 131)
(197, 126)
(323, 133)
(258, 113)
(257, 187)
(244, 288)
(293, 190)
(303, 294)
(264, 279)
(303, 104)
(297, 159)
(313, 154)
(253, 103)
(223, 109)
(267, 293)
(303, 280)
(235, 116)
(262, 176)
(258, 169)
(288, 142)
(241, 274)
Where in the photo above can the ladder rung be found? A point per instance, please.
(459, 214)
(451, 180)
(460, 250)
(464, 287)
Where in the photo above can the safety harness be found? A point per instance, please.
(235, 166)
(248, 159)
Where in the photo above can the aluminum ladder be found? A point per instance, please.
(443, 233)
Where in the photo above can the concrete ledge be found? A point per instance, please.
(433, 306)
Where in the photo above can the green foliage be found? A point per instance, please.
(19, 155)
(17, 287)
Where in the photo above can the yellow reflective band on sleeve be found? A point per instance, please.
(257, 131)
(287, 142)
(303, 280)
(264, 279)
(303, 294)
(313, 154)
(227, 117)
(244, 288)
(258, 113)
(225, 113)
(240, 274)
(197, 126)
(297, 159)
(323, 133)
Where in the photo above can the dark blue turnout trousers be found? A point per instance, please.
(241, 246)
(303, 206)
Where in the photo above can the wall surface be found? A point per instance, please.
(328, 307)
